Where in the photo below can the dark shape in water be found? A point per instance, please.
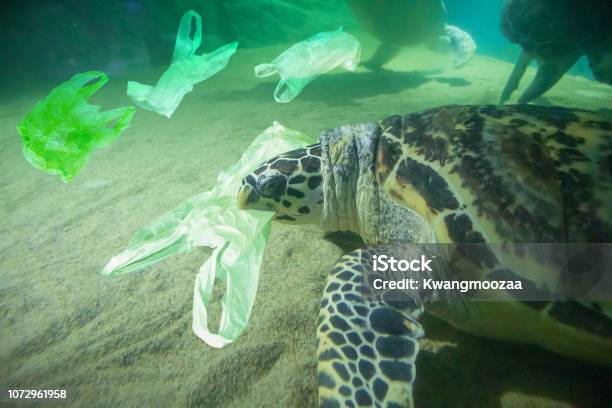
(401, 23)
(557, 33)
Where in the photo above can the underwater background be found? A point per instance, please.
(127, 340)
(53, 39)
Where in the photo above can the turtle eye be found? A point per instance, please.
(271, 186)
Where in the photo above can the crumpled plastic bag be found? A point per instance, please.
(307, 60)
(212, 219)
(63, 129)
(186, 70)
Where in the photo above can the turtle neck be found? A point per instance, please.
(350, 189)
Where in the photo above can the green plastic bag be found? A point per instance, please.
(186, 70)
(212, 219)
(63, 129)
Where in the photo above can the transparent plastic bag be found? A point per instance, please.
(63, 129)
(212, 219)
(305, 61)
(186, 70)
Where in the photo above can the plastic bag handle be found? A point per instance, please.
(265, 70)
(79, 81)
(186, 46)
(284, 92)
(123, 117)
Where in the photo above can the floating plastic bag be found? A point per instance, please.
(306, 60)
(213, 219)
(186, 70)
(63, 129)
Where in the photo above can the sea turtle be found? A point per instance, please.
(401, 23)
(557, 33)
(487, 176)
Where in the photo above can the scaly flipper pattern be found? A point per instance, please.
(367, 346)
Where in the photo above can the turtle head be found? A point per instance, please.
(289, 184)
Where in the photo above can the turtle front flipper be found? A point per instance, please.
(366, 347)
(517, 74)
(384, 53)
(549, 73)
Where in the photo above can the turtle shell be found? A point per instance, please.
(553, 28)
(501, 177)
(499, 174)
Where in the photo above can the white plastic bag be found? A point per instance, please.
(186, 70)
(306, 60)
(212, 219)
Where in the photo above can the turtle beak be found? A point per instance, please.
(246, 195)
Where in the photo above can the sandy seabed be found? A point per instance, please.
(127, 340)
